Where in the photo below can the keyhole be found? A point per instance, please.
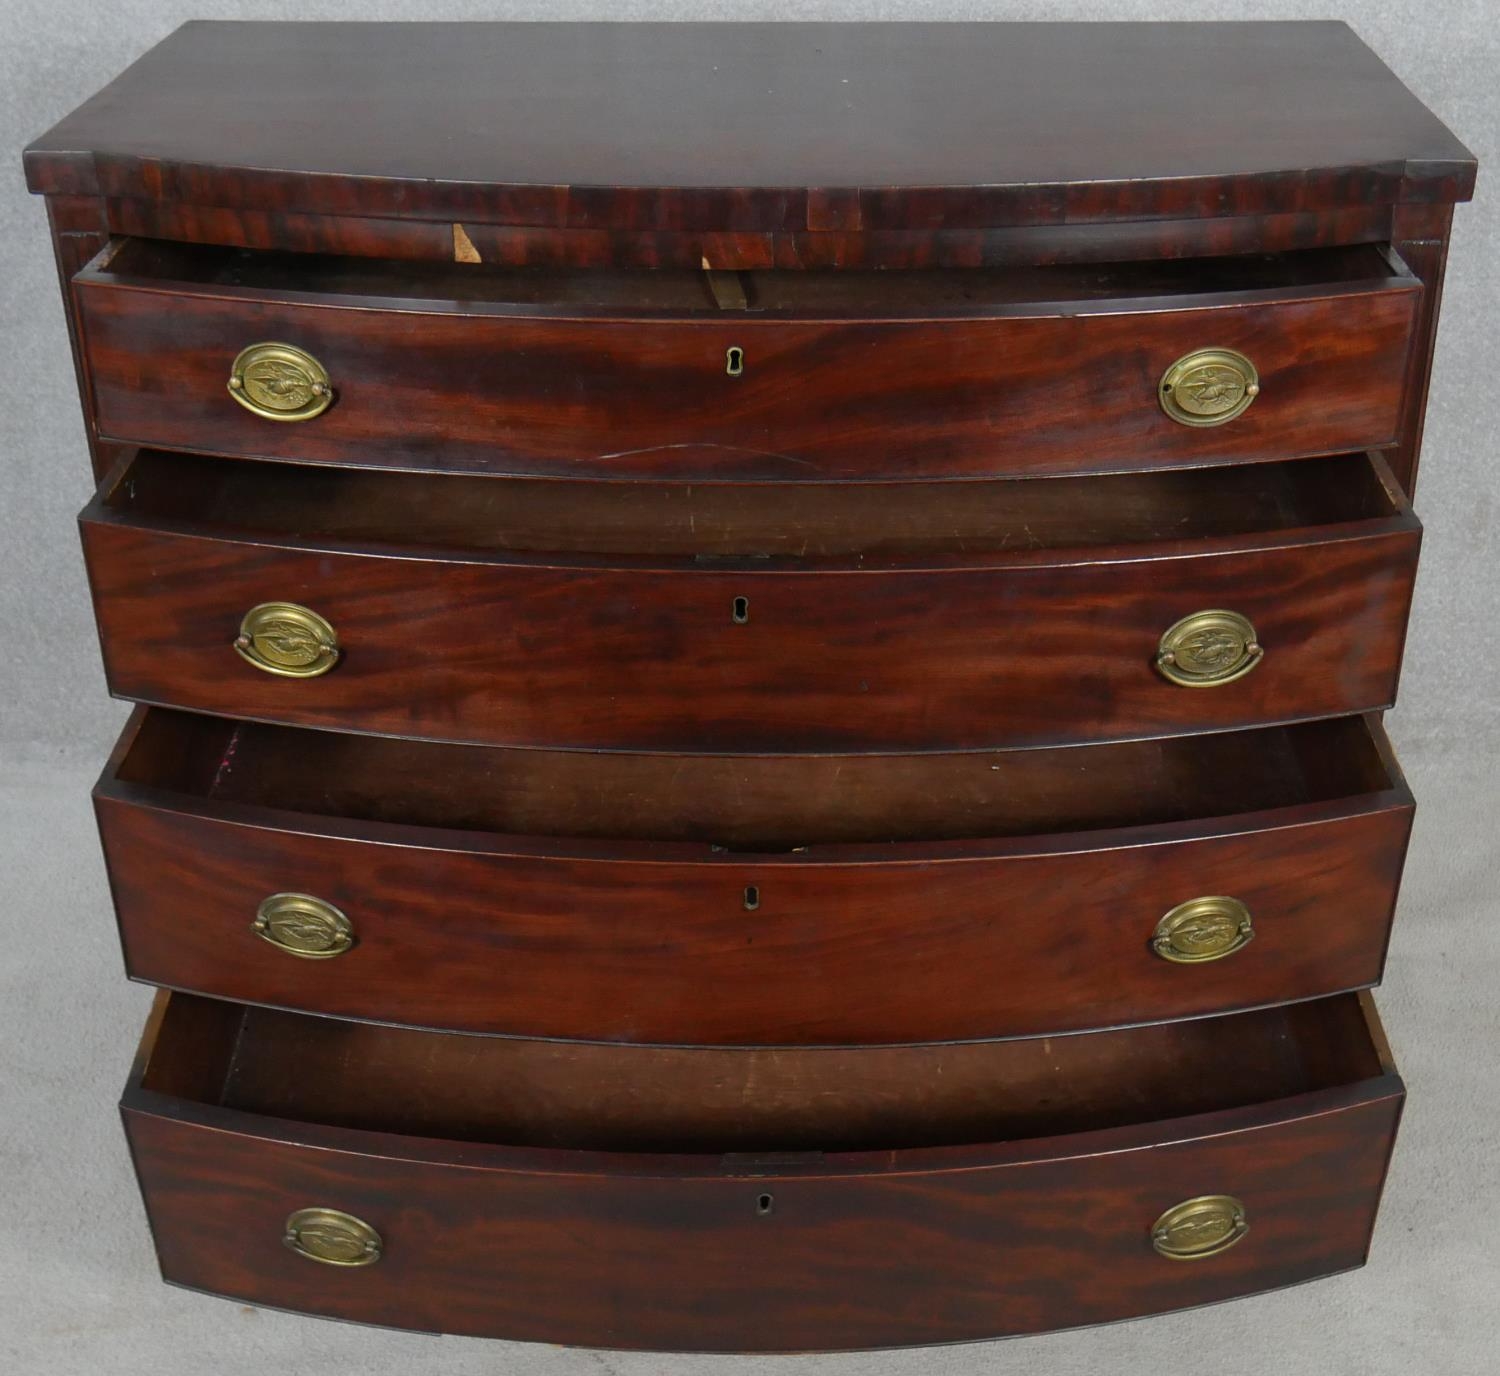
(752, 898)
(764, 1205)
(741, 612)
(734, 360)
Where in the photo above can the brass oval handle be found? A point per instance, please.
(332, 1237)
(1200, 1228)
(280, 382)
(1203, 929)
(302, 925)
(1208, 649)
(1208, 387)
(287, 639)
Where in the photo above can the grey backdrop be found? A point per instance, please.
(77, 1285)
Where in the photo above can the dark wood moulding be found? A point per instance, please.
(523, 246)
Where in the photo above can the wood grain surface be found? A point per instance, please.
(632, 938)
(1003, 381)
(758, 1251)
(657, 249)
(788, 797)
(741, 127)
(940, 652)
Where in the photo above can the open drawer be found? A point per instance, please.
(753, 901)
(753, 618)
(787, 376)
(756, 1201)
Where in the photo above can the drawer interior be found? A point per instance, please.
(749, 803)
(651, 1099)
(915, 293)
(341, 507)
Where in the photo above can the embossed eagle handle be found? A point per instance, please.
(1208, 387)
(1208, 649)
(1200, 1228)
(332, 1237)
(280, 382)
(303, 925)
(1202, 930)
(287, 640)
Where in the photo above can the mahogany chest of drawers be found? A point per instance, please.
(760, 653)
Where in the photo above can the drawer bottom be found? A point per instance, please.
(395, 1177)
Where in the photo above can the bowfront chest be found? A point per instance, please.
(760, 654)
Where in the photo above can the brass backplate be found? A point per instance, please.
(287, 639)
(280, 382)
(1208, 387)
(1200, 1228)
(1208, 649)
(1203, 929)
(332, 1237)
(302, 925)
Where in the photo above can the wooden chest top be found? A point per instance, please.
(758, 127)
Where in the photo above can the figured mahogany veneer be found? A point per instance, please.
(529, 246)
(994, 636)
(905, 375)
(624, 1197)
(700, 899)
(739, 530)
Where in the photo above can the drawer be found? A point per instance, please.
(787, 376)
(756, 1201)
(717, 900)
(750, 619)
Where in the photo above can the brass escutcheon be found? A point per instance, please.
(332, 1237)
(1203, 929)
(1200, 1228)
(286, 639)
(280, 382)
(1208, 387)
(302, 925)
(1208, 649)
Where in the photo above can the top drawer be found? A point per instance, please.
(793, 376)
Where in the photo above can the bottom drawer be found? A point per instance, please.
(757, 1200)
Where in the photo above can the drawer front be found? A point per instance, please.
(1036, 651)
(1050, 390)
(904, 1248)
(992, 940)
